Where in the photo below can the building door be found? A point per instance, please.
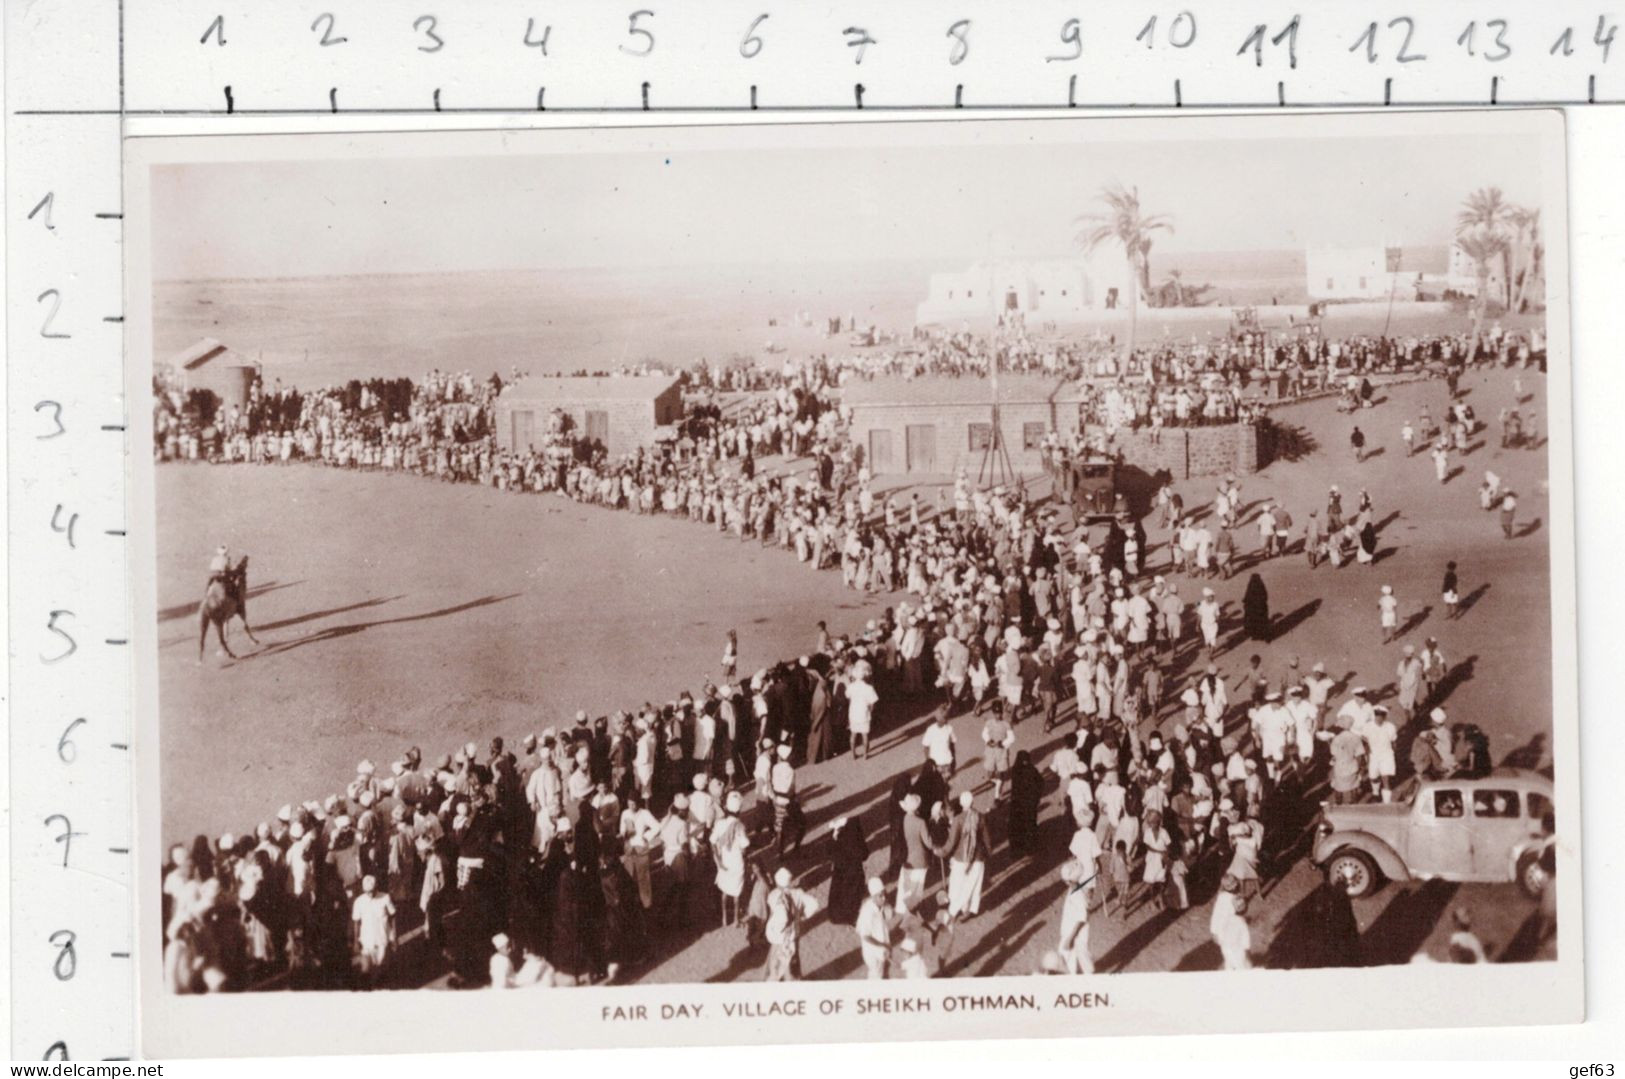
(524, 429)
(880, 451)
(598, 427)
(922, 447)
(1012, 302)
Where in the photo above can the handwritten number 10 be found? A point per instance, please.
(1181, 32)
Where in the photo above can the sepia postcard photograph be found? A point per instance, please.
(1111, 575)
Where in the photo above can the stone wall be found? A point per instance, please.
(1184, 452)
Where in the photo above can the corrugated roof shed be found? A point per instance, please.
(198, 354)
(590, 388)
(940, 390)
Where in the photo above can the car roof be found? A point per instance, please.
(1526, 778)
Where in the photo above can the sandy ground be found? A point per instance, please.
(396, 611)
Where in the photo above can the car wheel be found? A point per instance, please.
(1354, 872)
(1531, 874)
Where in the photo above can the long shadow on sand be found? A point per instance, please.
(314, 615)
(185, 610)
(349, 629)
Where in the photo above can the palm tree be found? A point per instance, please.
(1487, 210)
(1481, 245)
(1124, 222)
(1532, 251)
(1177, 280)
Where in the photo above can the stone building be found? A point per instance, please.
(621, 412)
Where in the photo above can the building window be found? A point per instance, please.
(1329, 283)
(1063, 292)
(981, 435)
(1032, 436)
(1362, 284)
(950, 294)
(969, 294)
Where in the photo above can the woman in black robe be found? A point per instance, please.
(1368, 542)
(1255, 609)
(1026, 791)
(931, 788)
(625, 939)
(848, 880)
(577, 892)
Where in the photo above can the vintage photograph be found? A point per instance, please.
(820, 552)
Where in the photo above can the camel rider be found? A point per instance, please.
(218, 566)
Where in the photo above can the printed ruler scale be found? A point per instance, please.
(70, 951)
(81, 75)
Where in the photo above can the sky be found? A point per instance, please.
(682, 207)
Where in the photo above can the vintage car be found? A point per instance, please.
(1491, 828)
(1095, 495)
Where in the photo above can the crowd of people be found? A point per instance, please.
(581, 855)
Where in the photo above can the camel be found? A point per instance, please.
(226, 598)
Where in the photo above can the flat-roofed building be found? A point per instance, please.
(622, 412)
(938, 425)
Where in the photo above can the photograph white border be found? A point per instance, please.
(1183, 1003)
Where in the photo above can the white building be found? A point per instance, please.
(1462, 276)
(1056, 290)
(1358, 273)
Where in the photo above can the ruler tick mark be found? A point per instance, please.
(119, 745)
(118, 640)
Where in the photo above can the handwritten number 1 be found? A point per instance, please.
(44, 204)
